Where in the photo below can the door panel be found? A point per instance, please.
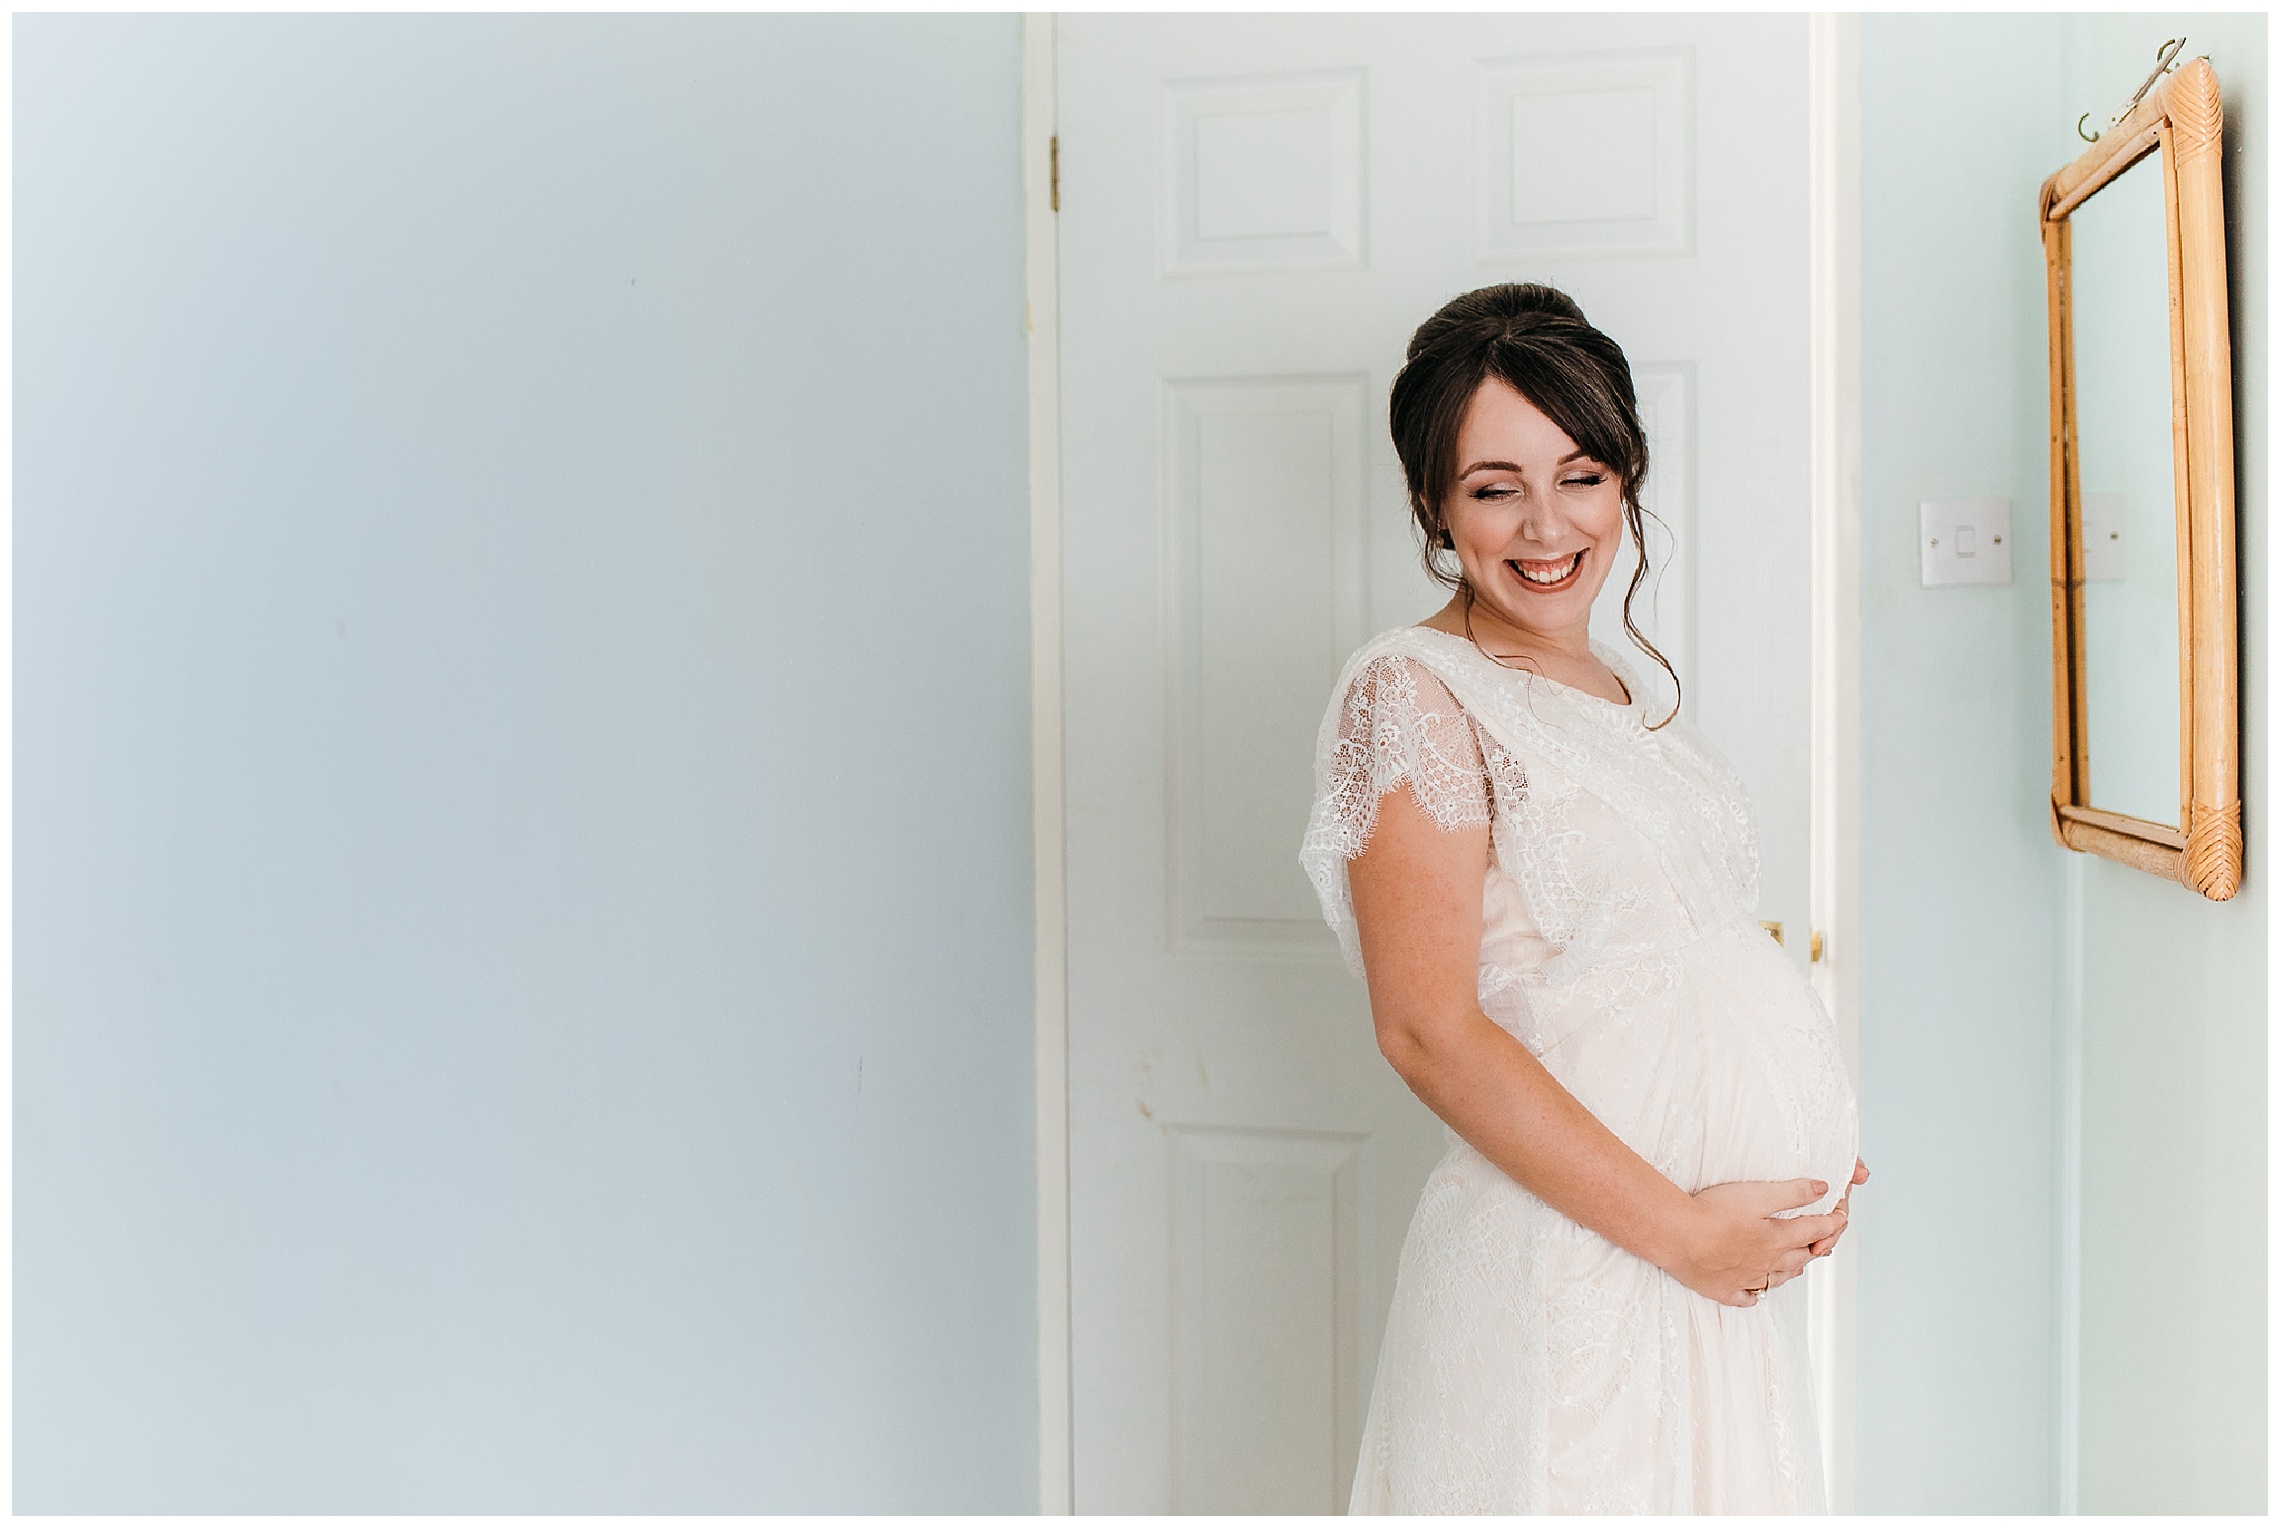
(1265, 577)
(1256, 213)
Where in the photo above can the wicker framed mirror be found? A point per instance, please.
(2141, 442)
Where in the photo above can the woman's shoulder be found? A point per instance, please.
(1418, 651)
(1408, 671)
(1393, 642)
(1389, 671)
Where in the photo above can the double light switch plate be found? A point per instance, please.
(1965, 541)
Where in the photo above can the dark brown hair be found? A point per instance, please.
(1537, 340)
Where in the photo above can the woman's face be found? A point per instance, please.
(1535, 522)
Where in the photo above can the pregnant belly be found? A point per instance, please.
(1716, 1063)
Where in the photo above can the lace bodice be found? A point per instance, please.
(1615, 839)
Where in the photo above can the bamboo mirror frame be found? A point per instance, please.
(2181, 117)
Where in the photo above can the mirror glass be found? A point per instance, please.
(2129, 495)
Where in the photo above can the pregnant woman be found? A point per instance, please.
(1552, 895)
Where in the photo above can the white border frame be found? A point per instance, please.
(1833, 195)
(1048, 829)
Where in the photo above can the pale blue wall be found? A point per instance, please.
(1960, 882)
(1986, 947)
(522, 863)
(2173, 987)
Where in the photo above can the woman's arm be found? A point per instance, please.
(1417, 907)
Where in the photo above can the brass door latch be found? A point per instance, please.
(1773, 927)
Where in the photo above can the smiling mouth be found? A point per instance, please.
(1547, 576)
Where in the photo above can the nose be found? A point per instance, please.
(1537, 523)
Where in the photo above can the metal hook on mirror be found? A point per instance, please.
(2164, 60)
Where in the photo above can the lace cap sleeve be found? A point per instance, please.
(1395, 723)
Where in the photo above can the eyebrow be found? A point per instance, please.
(1578, 454)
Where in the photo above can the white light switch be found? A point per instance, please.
(2105, 550)
(1965, 541)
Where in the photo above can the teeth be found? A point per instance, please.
(1550, 575)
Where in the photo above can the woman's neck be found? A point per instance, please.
(1564, 656)
(1500, 638)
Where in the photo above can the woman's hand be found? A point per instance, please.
(1417, 907)
(1736, 1249)
(1828, 1244)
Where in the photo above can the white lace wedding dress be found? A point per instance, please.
(1529, 1365)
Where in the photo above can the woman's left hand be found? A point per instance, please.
(1828, 1244)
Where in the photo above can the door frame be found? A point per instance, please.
(1832, 96)
(1833, 157)
(1040, 177)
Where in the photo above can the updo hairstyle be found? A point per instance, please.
(1535, 339)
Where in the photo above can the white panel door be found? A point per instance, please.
(1255, 213)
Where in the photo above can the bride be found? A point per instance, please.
(1551, 896)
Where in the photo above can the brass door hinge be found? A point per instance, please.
(1055, 181)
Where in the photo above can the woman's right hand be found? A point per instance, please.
(1736, 1249)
